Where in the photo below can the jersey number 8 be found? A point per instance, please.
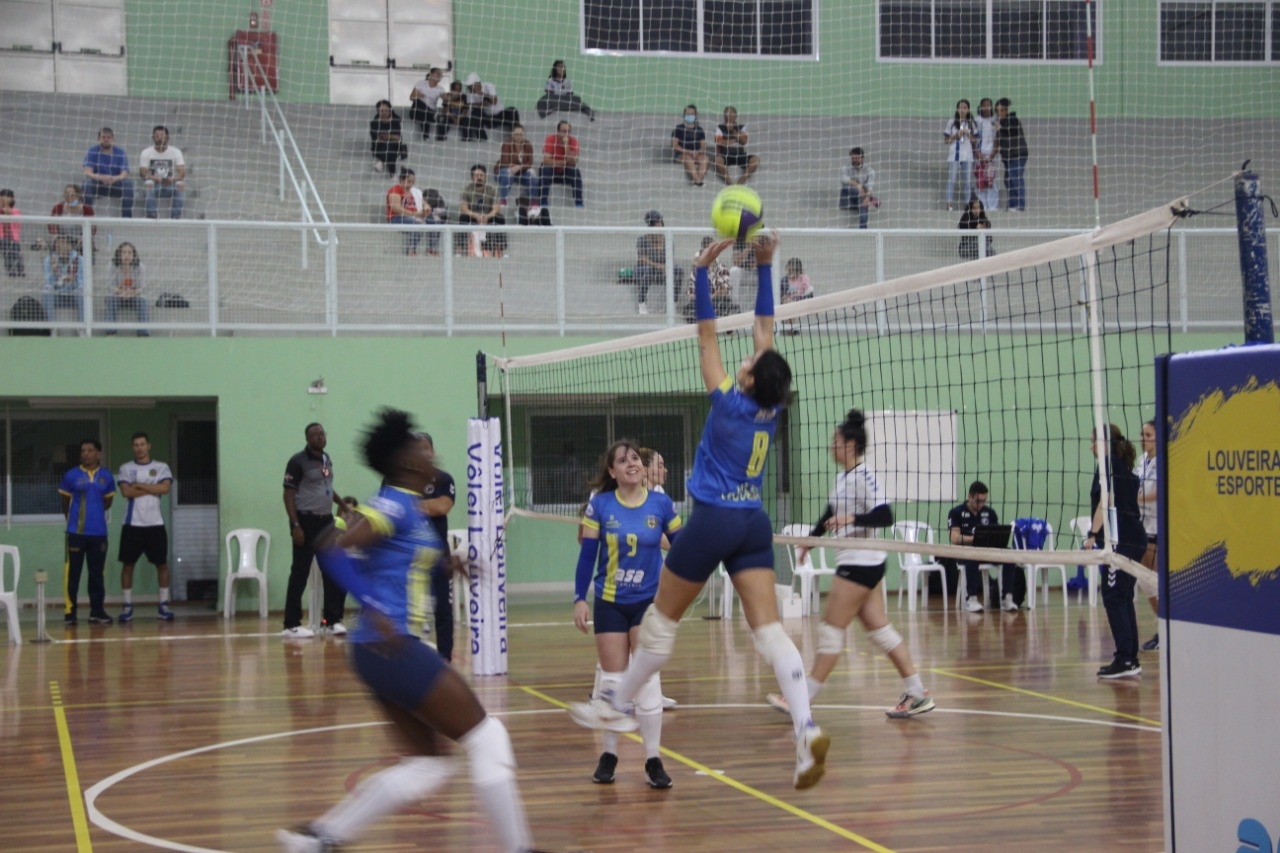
(759, 450)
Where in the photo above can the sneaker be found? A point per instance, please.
(298, 632)
(811, 756)
(643, 308)
(303, 840)
(378, 165)
(70, 620)
(126, 615)
(778, 702)
(1153, 644)
(668, 703)
(163, 613)
(600, 714)
(658, 777)
(1120, 669)
(973, 605)
(604, 769)
(99, 619)
(338, 629)
(910, 706)
(1006, 604)
(534, 210)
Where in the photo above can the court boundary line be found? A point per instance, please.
(74, 797)
(1110, 712)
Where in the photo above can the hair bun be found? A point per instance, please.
(855, 418)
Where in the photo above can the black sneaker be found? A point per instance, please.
(658, 777)
(1120, 669)
(1153, 644)
(70, 620)
(99, 619)
(604, 770)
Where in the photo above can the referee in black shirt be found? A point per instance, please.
(308, 496)
(438, 499)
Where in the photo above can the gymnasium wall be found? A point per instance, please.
(178, 51)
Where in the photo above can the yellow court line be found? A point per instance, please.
(1111, 712)
(74, 795)
(746, 789)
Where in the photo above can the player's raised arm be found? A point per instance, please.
(713, 372)
(762, 330)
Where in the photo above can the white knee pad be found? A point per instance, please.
(489, 752)
(885, 639)
(658, 633)
(649, 697)
(830, 639)
(772, 641)
(607, 681)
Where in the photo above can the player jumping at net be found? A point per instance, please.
(728, 524)
(858, 505)
(623, 526)
(424, 698)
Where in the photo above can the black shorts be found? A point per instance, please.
(739, 538)
(736, 157)
(137, 541)
(610, 617)
(868, 576)
(400, 676)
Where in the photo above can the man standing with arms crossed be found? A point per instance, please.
(143, 481)
(308, 493)
(86, 493)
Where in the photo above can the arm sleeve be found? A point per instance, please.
(703, 307)
(881, 516)
(586, 566)
(820, 526)
(344, 570)
(764, 292)
(292, 474)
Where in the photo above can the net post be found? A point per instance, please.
(482, 385)
(1258, 325)
(42, 635)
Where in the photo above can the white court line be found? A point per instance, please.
(168, 638)
(97, 818)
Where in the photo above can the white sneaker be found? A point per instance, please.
(778, 702)
(973, 605)
(644, 309)
(811, 756)
(338, 629)
(1006, 604)
(668, 703)
(378, 165)
(300, 632)
(599, 714)
(301, 841)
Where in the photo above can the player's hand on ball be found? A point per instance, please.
(709, 254)
(765, 245)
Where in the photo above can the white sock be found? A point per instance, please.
(164, 596)
(382, 794)
(788, 668)
(651, 733)
(128, 597)
(914, 685)
(814, 685)
(493, 772)
(607, 681)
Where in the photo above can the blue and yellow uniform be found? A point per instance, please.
(629, 556)
(86, 538)
(394, 572)
(728, 524)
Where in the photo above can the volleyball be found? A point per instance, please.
(737, 213)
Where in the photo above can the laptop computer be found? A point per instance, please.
(992, 535)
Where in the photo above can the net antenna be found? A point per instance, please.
(996, 341)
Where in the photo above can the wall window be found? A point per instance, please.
(985, 30)
(38, 449)
(742, 28)
(1240, 31)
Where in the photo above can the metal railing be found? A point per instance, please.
(229, 277)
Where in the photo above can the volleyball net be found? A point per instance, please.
(996, 369)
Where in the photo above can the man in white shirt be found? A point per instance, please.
(164, 174)
(143, 481)
(425, 101)
(486, 109)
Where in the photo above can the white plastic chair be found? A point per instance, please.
(461, 588)
(245, 566)
(805, 571)
(913, 565)
(1081, 526)
(9, 592)
(1034, 569)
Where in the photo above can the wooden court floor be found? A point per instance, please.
(203, 735)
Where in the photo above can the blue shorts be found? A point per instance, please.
(739, 538)
(614, 618)
(401, 677)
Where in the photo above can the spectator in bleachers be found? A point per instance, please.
(164, 174)
(796, 286)
(11, 236)
(528, 213)
(689, 144)
(454, 110)
(515, 165)
(406, 206)
(984, 167)
(651, 260)
(478, 205)
(424, 104)
(63, 279)
(1012, 144)
(106, 172)
(72, 204)
(560, 153)
(486, 110)
(959, 136)
(385, 138)
(731, 149)
(559, 95)
(127, 279)
(974, 218)
(857, 182)
(721, 288)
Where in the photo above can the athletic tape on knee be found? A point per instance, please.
(649, 697)
(772, 641)
(658, 633)
(830, 639)
(489, 752)
(885, 639)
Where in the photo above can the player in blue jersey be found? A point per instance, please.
(728, 524)
(622, 529)
(425, 698)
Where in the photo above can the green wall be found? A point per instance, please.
(178, 50)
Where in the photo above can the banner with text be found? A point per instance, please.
(486, 548)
